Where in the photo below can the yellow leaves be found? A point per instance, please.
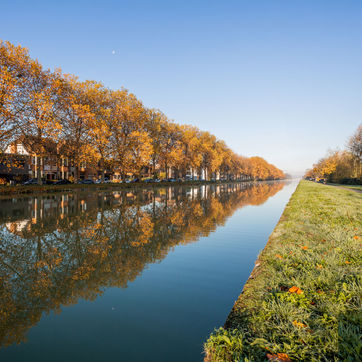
(278, 357)
(299, 324)
(295, 289)
(112, 129)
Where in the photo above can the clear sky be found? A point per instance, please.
(279, 79)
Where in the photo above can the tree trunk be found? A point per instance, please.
(101, 165)
(38, 170)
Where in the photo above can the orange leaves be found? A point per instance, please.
(295, 289)
(299, 324)
(278, 357)
(108, 129)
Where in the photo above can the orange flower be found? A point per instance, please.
(324, 240)
(295, 289)
(304, 247)
(298, 324)
(356, 237)
(279, 256)
(319, 266)
(278, 357)
(347, 262)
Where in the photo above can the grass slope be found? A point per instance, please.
(302, 301)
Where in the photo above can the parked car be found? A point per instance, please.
(148, 180)
(106, 181)
(135, 180)
(32, 181)
(86, 182)
(62, 182)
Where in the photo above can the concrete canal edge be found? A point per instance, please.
(13, 191)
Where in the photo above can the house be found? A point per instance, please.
(25, 157)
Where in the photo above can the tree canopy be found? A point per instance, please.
(108, 128)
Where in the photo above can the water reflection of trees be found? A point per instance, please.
(59, 248)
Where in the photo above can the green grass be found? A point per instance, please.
(315, 247)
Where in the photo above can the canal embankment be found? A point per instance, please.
(302, 300)
(39, 189)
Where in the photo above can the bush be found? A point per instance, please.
(350, 181)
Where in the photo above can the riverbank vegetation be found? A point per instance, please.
(302, 301)
(341, 166)
(39, 189)
(69, 125)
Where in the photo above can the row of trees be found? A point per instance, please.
(111, 129)
(341, 166)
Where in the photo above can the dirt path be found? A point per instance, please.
(346, 188)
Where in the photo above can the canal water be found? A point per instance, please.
(140, 275)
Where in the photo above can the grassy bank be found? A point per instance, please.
(36, 189)
(302, 301)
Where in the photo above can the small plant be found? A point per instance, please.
(224, 345)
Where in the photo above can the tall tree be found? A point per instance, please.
(76, 119)
(14, 73)
(38, 122)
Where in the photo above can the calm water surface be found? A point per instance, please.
(127, 276)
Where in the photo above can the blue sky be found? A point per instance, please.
(279, 79)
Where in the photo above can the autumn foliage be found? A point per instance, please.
(341, 166)
(110, 129)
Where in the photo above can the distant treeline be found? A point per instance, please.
(341, 166)
(110, 129)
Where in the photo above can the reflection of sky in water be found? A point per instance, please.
(73, 252)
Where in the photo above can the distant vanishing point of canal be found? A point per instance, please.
(140, 275)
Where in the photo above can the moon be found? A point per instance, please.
(113, 52)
